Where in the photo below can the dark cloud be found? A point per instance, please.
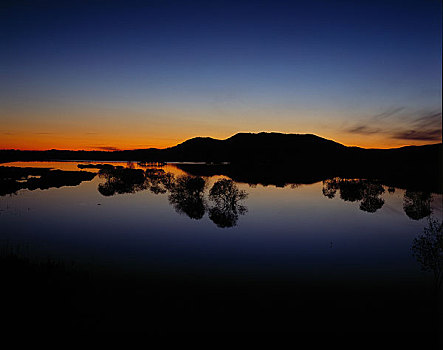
(424, 127)
(106, 148)
(363, 129)
(421, 135)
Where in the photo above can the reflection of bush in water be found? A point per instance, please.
(226, 193)
(330, 187)
(356, 190)
(351, 190)
(417, 205)
(158, 181)
(186, 196)
(226, 217)
(371, 204)
(13, 179)
(226, 196)
(186, 193)
(427, 248)
(121, 180)
(371, 201)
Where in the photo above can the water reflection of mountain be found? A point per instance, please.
(186, 193)
(281, 174)
(13, 179)
(417, 198)
(189, 196)
(275, 174)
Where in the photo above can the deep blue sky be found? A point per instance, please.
(129, 74)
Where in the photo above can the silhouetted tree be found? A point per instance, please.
(226, 196)
(186, 196)
(417, 205)
(427, 248)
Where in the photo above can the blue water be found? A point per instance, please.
(290, 232)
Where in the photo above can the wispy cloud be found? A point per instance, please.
(390, 112)
(363, 129)
(426, 126)
(426, 135)
(431, 120)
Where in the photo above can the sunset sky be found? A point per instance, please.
(139, 74)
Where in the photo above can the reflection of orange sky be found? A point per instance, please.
(72, 166)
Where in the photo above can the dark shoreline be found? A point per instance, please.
(62, 296)
(276, 158)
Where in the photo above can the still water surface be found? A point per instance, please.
(295, 232)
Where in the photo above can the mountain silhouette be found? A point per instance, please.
(309, 156)
(261, 147)
(245, 147)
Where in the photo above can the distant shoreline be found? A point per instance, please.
(269, 155)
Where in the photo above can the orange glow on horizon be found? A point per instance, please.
(41, 142)
(100, 128)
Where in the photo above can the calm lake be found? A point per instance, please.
(347, 237)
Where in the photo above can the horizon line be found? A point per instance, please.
(111, 149)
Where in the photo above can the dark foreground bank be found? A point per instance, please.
(57, 296)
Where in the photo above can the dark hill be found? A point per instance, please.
(253, 148)
(307, 155)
